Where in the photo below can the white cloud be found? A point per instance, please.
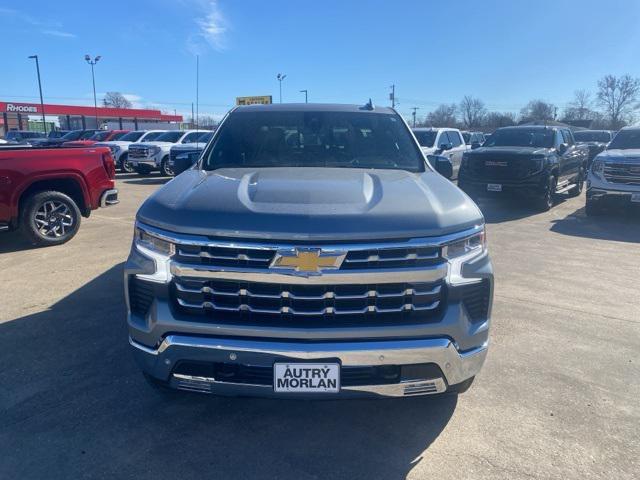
(212, 28)
(58, 33)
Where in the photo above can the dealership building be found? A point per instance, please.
(16, 116)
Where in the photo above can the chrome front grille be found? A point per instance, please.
(138, 152)
(268, 302)
(624, 173)
(261, 257)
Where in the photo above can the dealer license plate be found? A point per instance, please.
(306, 377)
(494, 187)
(635, 197)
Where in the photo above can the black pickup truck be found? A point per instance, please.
(537, 161)
(595, 140)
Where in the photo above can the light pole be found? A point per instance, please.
(280, 78)
(44, 123)
(306, 95)
(93, 79)
(414, 115)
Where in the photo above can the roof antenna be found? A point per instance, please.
(367, 106)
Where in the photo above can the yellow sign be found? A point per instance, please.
(307, 261)
(260, 100)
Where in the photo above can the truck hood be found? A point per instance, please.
(629, 155)
(157, 144)
(524, 151)
(112, 143)
(188, 147)
(310, 204)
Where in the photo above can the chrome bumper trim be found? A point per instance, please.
(403, 389)
(456, 366)
(402, 275)
(109, 197)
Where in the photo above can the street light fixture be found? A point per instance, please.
(93, 79)
(306, 96)
(44, 123)
(280, 78)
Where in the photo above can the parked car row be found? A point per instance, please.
(542, 162)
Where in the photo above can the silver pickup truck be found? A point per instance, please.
(313, 251)
(614, 176)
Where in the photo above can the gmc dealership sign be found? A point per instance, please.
(12, 107)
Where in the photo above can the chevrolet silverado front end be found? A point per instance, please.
(311, 252)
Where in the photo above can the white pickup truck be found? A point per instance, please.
(149, 156)
(120, 148)
(447, 142)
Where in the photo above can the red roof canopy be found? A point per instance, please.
(103, 112)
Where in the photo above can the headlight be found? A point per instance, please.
(462, 251)
(154, 150)
(151, 242)
(157, 249)
(597, 168)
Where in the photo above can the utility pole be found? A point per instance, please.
(93, 79)
(192, 116)
(280, 78)
(414, 115)
(392, 96)
(44, 123)
(306, 98)
(197, 91)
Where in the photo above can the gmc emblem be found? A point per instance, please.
(493, 163)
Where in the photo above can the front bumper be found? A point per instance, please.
(599, 190)
(453, 366)
(533, 185)
(152, 162)
(451, 345)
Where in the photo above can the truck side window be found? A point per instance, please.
(568, 138)
(454, 138)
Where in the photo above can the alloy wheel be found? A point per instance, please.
(54, 219)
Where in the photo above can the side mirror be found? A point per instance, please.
(562, 148)
(442, 165)
(445, 146)
(475, 145)
(181, 163)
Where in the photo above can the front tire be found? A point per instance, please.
(165, 169)
(50, 218)
(577, 188)
(547, 200)
(125, 166)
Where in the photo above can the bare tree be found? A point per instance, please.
(116, 100)
(472, 111)
(493, 120)
(618, 98)
(580, 108)
(443, 116)
(538, 111)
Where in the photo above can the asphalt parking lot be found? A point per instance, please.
(557, 398)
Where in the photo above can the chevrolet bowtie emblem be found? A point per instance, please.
(307, 260)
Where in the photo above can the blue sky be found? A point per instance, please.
(504, 52)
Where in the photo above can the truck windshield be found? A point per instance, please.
(592, 136)
(425, 138)
(131, 136)
(626, 140)
(151, 136)
(100, 136)
(521, 137)
(169, 137)
(314, 139)
(73, 135)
